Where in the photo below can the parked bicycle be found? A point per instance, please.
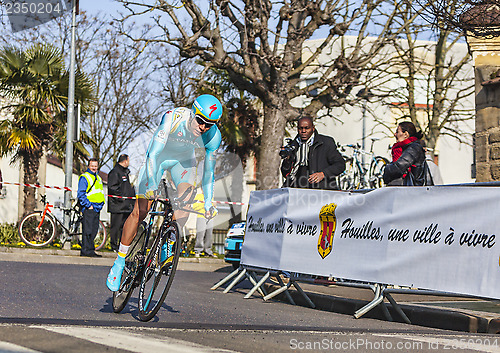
(143, 265)
(357, 175)
(40, 228)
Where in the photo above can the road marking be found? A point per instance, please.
(131, 341)
(7, 347)
(477, 343)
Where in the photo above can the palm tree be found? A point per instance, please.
(35, 84)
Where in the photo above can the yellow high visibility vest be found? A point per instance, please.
(96, 194)
(199, 206)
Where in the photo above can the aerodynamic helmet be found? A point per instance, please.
(207, 108)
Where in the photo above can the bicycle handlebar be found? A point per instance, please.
(180, 203)
(357, 149)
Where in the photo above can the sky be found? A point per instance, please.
(100, 6)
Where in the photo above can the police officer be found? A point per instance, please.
(91, 199)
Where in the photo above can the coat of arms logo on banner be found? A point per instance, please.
(328, 224)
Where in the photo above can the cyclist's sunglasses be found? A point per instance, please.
(201, 121)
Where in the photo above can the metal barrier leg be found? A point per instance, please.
(287, 286)
(236, 280)
(258, 285)
(378, 298)
(225, 279)
(397, 308)
(386, 312)
(251, 277)
(283, 288)
(308, 300)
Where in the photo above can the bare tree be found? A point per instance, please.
(126, 76)
(263, 47)
(436, 77)
(175, 86)
(123, 73)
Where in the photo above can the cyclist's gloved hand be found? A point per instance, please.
(151, 194)
(211, 212)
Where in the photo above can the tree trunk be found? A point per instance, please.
(31, 163)
(268, 175)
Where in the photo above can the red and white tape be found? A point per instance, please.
(64, 188)
(38, 186)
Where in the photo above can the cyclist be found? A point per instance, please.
(172, 148)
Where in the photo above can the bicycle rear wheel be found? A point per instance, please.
(37, 229)
(376, 175)
(101, 237)
(131, 272)
(345, 180)
(158, 276)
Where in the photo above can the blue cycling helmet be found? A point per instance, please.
(208, 108)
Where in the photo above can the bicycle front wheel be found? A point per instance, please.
(158, 275)
(377, 172)
(37, 229)
(101, 237)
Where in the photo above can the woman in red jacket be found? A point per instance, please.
(408, 156)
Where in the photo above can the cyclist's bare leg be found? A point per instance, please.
(141, 208)
(140, 211)
(181, 217)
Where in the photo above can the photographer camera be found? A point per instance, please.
(311, 160)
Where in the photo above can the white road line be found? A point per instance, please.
(6, 347)
(131, 341)
(476, 343)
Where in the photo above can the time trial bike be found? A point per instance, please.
(144, 267)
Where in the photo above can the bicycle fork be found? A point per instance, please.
(43, 218)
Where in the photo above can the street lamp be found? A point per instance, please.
(71, 117)
(365, 94)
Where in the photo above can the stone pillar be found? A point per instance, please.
(486, 55)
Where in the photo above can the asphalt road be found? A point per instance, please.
(67, 308)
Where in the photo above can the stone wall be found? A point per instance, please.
(486, 55)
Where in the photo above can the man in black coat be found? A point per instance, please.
(311, 160)
(120, 209)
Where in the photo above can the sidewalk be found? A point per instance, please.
(63, 256)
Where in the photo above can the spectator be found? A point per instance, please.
(408, 158)
(204, 230)
(120, 209)
(311, 160)
(91, 199)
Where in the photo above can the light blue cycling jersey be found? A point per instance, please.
(173, 148)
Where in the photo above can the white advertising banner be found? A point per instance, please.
(438, 238)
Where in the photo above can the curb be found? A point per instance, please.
(419, 314)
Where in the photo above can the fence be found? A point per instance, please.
(386, 239)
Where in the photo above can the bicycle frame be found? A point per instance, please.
(359, 176)
(168, 214)
(142, 251)
(67, 233)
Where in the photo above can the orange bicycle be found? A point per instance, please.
(39, 228)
